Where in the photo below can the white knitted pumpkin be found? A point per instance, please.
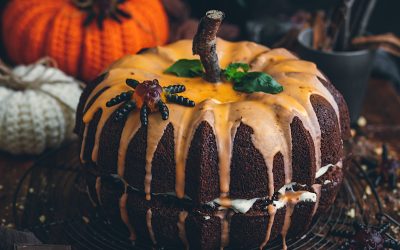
(37, 107)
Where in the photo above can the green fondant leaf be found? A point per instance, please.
(257, 82)
(186, 68)
(235, 71)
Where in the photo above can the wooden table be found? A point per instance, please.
(381, 109)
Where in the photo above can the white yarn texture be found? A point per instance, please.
(32, 120)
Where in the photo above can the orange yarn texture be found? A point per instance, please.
(36, 28)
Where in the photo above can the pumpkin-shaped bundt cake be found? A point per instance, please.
(232, 150)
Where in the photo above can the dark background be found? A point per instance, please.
(385, 18)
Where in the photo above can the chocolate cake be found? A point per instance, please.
(236, 170)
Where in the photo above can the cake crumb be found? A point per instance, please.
(351, 213)
(378, 151)
(362, 122)
(353, 132)
(207, 217)
(42, 218)
(368, 190)
(85, 219)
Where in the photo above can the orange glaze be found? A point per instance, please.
(149, 215)
(124, 215)
(271, 212)
(218, 104)
(182, 228)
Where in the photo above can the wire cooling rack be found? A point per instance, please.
(52, 202)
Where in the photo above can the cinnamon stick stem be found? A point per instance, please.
(204, 44)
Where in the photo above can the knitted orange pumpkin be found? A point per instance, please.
(84, 36)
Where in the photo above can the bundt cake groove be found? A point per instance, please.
(231, 150)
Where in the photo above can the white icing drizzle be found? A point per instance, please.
(239, 205)
(323, 170)
(308, 197)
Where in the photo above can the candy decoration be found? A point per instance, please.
(174, 89)
(119, 98)
(144, 115)
(163, 110)
(180, 100)
(148, 97)
(38, 104)
(32, 29)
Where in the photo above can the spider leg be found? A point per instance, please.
(89, 18)
(180, 100)
(125, 96)
(389, 243)
(174, 89)
(132, 83)
(144, 115)
(124, 110)
(123, 13)
(162, 107)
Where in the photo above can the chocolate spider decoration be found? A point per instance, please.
(149, 97)
(100, 10)
(365, 237)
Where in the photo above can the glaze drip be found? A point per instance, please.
(223, 108)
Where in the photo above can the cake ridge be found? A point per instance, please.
(270, 117)
(311, 124)
(289, 199)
